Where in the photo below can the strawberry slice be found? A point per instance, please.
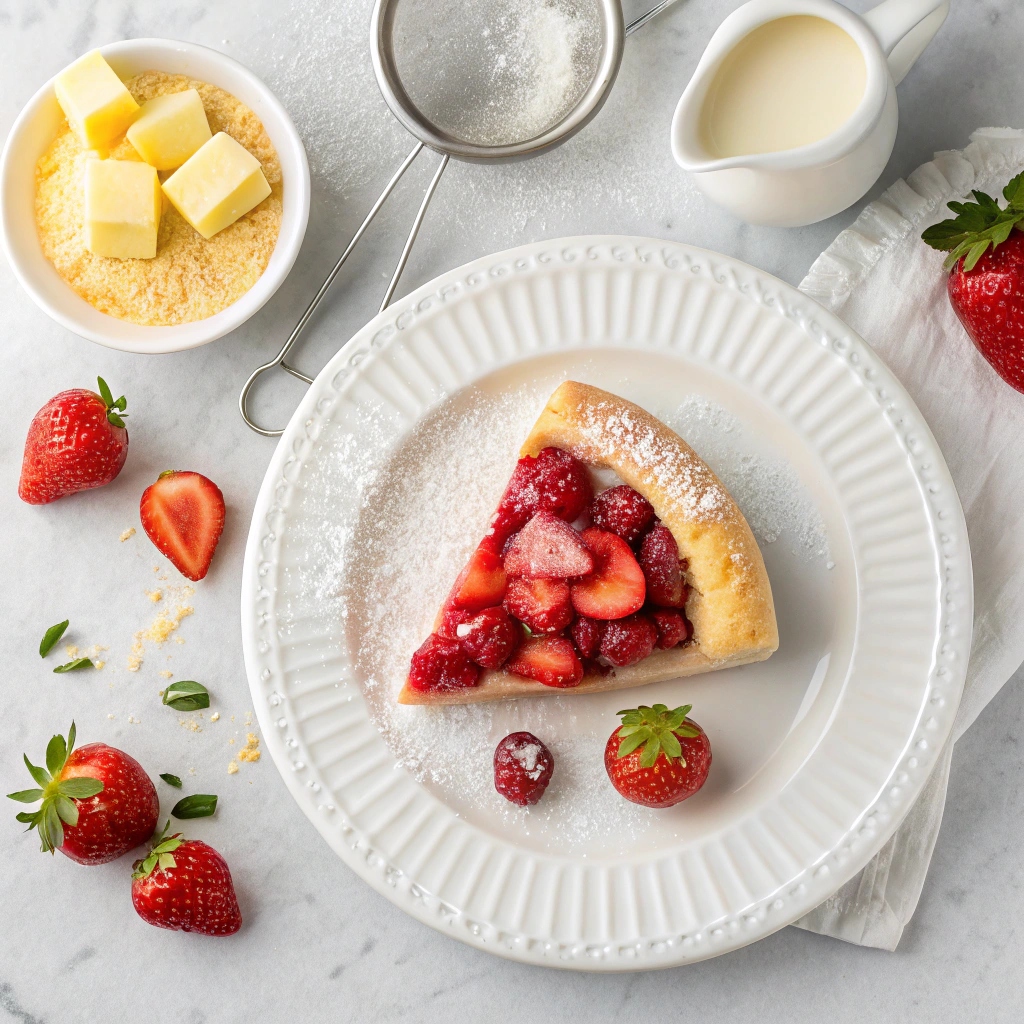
(481, 584)
(441, 664)
(659, 559)
(616, 587)
(183, 515)
(548, 548)
(550, 660)
(544, 605)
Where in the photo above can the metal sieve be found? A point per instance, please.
(611, 33)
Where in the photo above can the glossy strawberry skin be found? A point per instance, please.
(489, 637)
(673, 627)
(523, 766)
(622, 511)
(629, 640)
(71, 446)
(440, 663)
(659, 560)
(481, 584)
(121, 817)
(197, 895)
(616, 587)
(989, 300)
(586, 635)
(666, 783)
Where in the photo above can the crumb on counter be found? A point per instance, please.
(166, 674)
(155, 595)
(167, 621)
(71, 650)
(215, 717)
(98, 664)
(127, 534)
(110, 716)
(232, 767)
(191, 724)
(250, 752)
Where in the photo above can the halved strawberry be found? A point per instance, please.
(543, 605)
(659, 559)
(552, 481)
(548, 548)
(481, 584)
(442, 664)
(183, 515)
(616, 587)
(550, 660)
(489, 637)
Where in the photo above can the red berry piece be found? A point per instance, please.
(185, 885)
(586, 635)
(77, 441)
(522, 768)
(545, 606)
(657, 757)
(442, 664)
(489, 637)
(183, 515)
(622, 511)
(97, 802)
(482, 583)
(550, 660)
(673, 627)
(616, 587)
(552, 481)
(659, 559)
(627, 641)
(451, 619)
(548, 548)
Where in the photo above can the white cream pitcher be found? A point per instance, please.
(791, 115)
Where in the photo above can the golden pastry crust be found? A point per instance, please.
(730, 602)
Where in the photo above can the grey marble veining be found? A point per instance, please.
(318, 944)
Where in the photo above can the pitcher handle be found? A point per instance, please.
(904, 28)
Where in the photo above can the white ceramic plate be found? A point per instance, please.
(384, 481)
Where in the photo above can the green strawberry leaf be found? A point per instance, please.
(27, 818)
(56, 754)
(26, 796)
(41, 776)
(1014, 192)
(171, 780)
(198, 805)
(74, 666)
(105, 393)
(66, 809)
(657, 730)
(51, 636)
(187, 695)
(79, 788)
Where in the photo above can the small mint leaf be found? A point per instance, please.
(74, 666)
(187, 695)
(198, 805)
(51, 637)
(171, 780)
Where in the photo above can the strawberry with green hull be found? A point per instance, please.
(985, 243)
(97, 801)
(77, 441)
(185, 885)
(183, 515)
(657, 758)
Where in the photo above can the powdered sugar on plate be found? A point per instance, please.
(423, 503)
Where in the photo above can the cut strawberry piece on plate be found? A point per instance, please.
(183, 515)
(523, 766)
(659, 559)
(550, 660)
(544, 606)
(482, 583)
(442, 664)
(489, 637)
(627, 641)
(673, 627)
(548, 548)
(586, 635)
(616, 587)
(552, 481)
(622, 511)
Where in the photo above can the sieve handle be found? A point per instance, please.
(279, 359)
(644, 18)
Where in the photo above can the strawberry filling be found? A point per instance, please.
(542, 600)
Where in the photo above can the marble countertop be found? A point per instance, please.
(318, 944)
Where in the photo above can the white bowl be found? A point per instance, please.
(35, 129)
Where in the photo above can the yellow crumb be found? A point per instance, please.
(111, 717)
(128, 534)
(166, 622)
(215, 717)
(72, 650)
(232, 768)
(132, 720)
(250, 752)
(166, 674)
(231, 742)
(179, 639)
(191, 771)
(191, 724)
(98, 664)
(155, 595)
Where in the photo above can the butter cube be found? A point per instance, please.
(122, 209)
(95, 101)
(217, 185)
(169, 129)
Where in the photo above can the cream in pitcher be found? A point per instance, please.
(791, 113)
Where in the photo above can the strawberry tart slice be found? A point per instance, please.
(654, 578)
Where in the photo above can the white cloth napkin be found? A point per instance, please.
(891, 289)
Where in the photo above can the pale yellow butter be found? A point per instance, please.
(95, 101)
(122, 209)
(169, 129)
(217, 185)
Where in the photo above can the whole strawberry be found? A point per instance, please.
(97, 802)
(75, 442)
(186, 886)
(986, 283)
(657, 757)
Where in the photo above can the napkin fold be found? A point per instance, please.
(883, 281)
